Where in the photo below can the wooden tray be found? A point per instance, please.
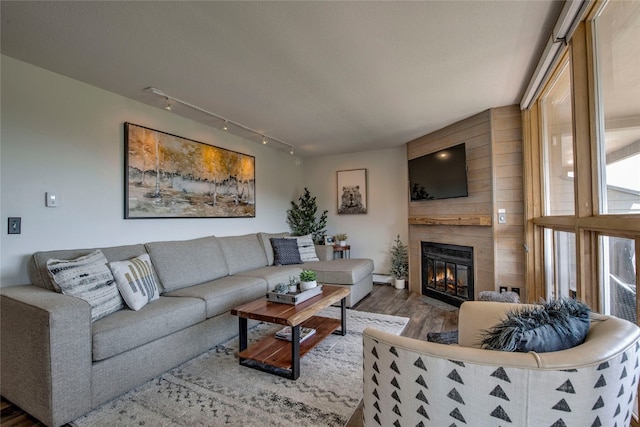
(294, 298)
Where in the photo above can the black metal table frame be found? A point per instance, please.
(294, 372)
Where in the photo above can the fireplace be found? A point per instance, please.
(447, 272)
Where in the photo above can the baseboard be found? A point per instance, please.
(381, 279)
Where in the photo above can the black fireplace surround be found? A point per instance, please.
(447, 272)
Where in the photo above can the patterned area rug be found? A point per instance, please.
(213, 390)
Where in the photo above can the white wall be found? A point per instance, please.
(64, 136)
(371, 234)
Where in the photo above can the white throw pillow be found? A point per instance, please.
(136, 281)
(88, 278)
(306, 248)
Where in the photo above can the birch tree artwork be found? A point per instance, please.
(167, 176)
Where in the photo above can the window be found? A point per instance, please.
(618, 266)
(557, 127)
(617, 54)
(560, 264)
(582, 142)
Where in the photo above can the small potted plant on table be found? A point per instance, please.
(293, 284)
(308, 280)
(341, 238)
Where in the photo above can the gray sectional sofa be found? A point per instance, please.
(57, 365)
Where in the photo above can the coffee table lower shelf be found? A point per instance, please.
(274, 355)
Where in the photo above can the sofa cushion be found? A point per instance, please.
(243, 253)
(285, 251)
(136, 281)
(306, 248)
(188, 262)
(89, 278)
(265, 240)
(274, 274)
(341, 271)
(551, 326)
(39, 274)
(127, 329)
(223, 294)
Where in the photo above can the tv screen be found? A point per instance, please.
(439, 175)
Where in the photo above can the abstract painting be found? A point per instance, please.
(167, 176)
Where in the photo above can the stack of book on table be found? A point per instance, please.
(285, 333)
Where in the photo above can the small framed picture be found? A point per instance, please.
(329, 240)
(352, 191)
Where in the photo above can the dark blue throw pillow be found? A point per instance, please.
(551, 326)
(285, 251)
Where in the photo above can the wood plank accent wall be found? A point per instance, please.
(494, 172)
(508, 192)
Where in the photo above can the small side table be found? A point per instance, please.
(342, 251)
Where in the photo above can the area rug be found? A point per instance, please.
(213, 390)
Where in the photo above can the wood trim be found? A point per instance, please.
(619, 225)
(476, 220)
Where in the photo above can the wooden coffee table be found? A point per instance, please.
(282, 357)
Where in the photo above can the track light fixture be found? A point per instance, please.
(168, 106)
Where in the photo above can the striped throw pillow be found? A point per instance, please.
(89, 278)
(136, 281)
(306, 248)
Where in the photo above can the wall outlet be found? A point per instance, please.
(503, 289)
(15, 225)
(502, 216)
(516, 290)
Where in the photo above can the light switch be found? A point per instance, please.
(14, 225)
(51, 200)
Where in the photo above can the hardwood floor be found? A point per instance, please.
(384, 299)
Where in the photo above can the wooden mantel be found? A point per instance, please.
(477, 220)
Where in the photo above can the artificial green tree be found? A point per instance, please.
(302, 217)
(399, 259)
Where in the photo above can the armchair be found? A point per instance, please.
(413, 382)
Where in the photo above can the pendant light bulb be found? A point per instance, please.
(264, 140)
(225, 127)
(168, 105)
(291, 151)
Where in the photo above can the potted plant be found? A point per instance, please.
(399, 263)
(308, 280)
(303, 220)
(281, 288)
(293, 284)
(341, 238)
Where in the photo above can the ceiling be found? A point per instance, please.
(325, 77)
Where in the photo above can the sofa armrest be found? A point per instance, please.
(45, 353)
(324, 252)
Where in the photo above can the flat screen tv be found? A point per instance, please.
(439, 175)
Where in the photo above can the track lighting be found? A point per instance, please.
(170, 100)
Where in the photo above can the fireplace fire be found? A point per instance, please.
(447, 272)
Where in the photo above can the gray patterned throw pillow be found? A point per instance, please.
(285, 251)
(89, 278)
